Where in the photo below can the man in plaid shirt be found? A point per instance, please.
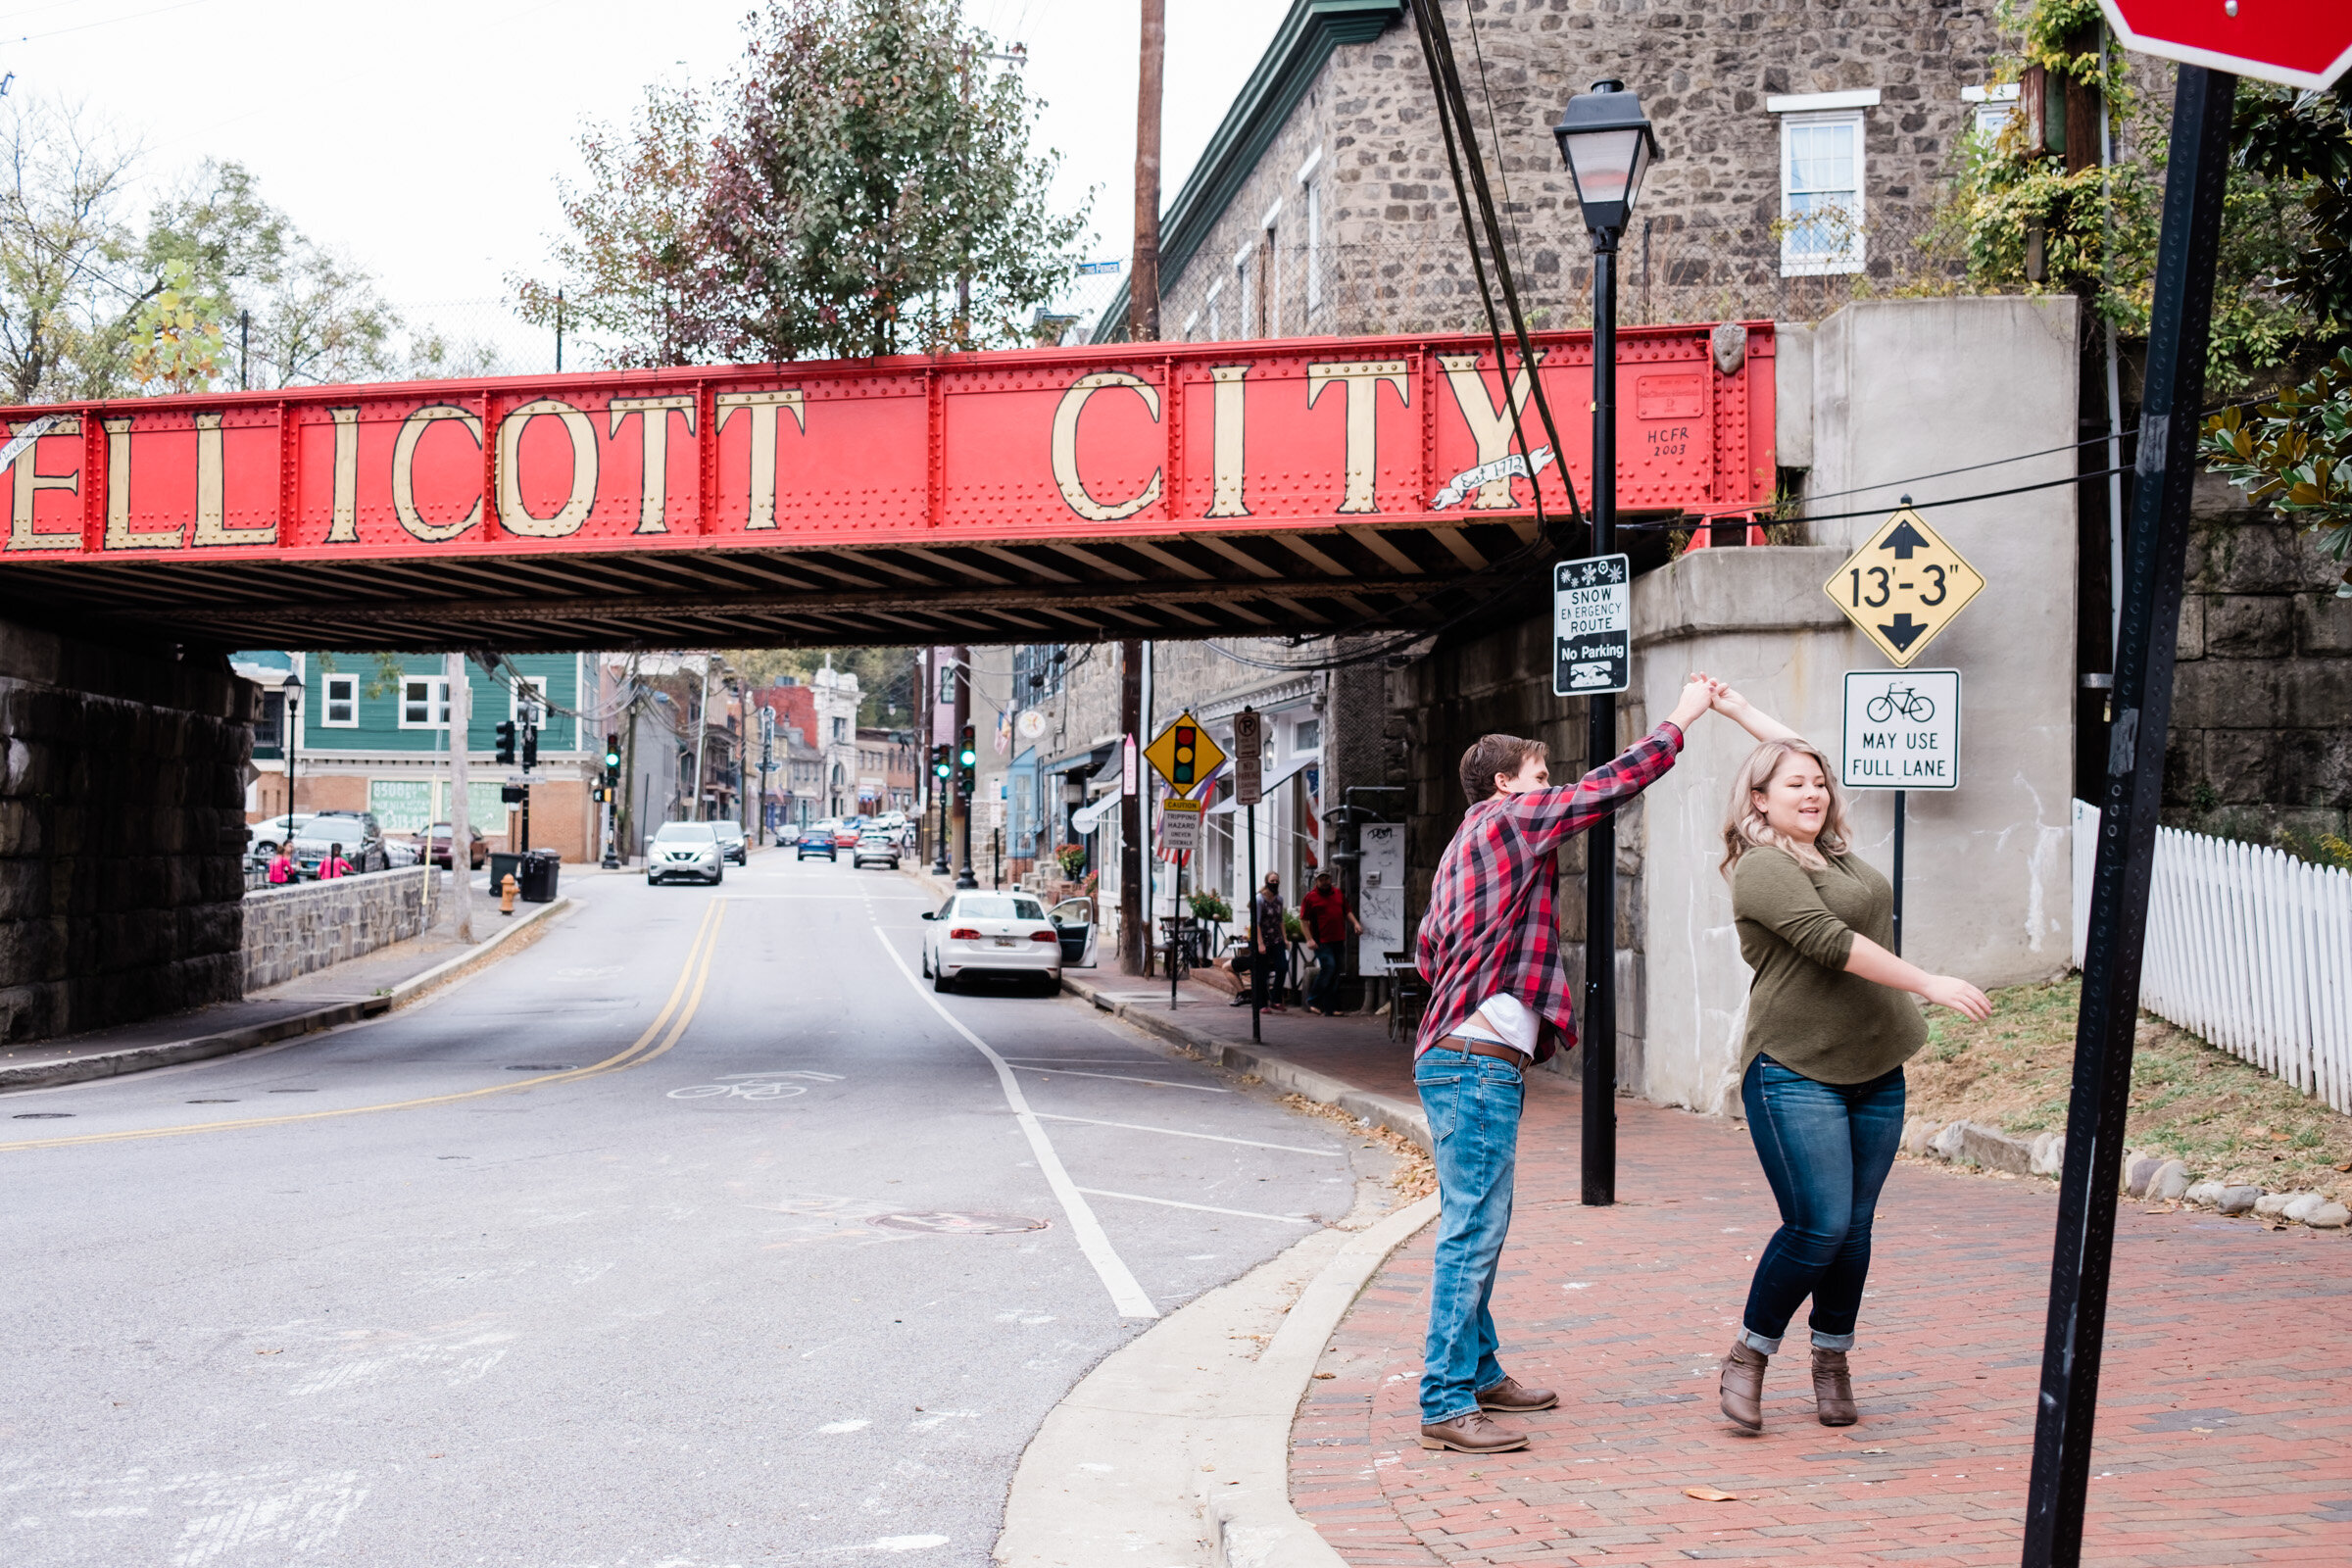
(1491, 953)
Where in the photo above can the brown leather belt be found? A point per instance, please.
(1483, 1048)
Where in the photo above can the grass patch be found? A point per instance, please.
(2227, 1118)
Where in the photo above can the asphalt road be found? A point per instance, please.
(696, 1234)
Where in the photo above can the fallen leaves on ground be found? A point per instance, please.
(1413, 1178)
(1710, 1495)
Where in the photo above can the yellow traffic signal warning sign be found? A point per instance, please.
(1904, 586)
(1184, 754)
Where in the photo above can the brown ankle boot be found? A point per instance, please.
(1744, 1385)
(1832, 1388)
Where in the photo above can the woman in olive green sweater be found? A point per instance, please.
(1829, 1029)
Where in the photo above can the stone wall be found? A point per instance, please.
(121, 827)
(2261, 741)
(1390, 255)
(291, 931)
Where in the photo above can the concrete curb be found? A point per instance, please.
(511, 938)
(1149, 1456)
(1407, 1121)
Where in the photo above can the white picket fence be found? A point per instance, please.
(2247, 947)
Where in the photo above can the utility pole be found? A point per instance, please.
(702, 734)
(461, 820)
(964, 877)
(1143, 326)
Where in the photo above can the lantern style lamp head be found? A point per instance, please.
(1608, 147)
(291, 689)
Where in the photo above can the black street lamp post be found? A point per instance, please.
(1608, 147)
(291, 690)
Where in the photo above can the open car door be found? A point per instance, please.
(1074, 923)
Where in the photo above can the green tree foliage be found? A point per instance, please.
(886, 676)
(2294, 456)
(869, 158)
(638, 252)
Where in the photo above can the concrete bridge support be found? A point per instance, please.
(121, 826)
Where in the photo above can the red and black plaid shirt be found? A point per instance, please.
(1490, 926)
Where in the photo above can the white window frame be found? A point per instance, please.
(528, 686)
(1216, 330)
(1300, 743)
(436, 700)
(1313, 219)
(1990, 108)
(1795, 263)
(343, 689)
(1241, 283)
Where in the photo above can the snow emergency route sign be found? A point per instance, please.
(1591, 626)
(1904, 586)
(1903, 729)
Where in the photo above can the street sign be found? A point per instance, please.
(1903, 729)
(1179, 825)
(1248, 757)
(2307, 45)
(1591, 626)
(1129, 783)
(1184, 754)
(1904, 586)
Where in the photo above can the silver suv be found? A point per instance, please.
(878, 845)
(684, 848)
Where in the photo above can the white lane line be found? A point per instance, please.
(1204, 1209)
(1177, 1132)
(838, 898)
(1125, 1292)
(1129, 1078)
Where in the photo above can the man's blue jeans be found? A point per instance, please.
(1473, 1105)
(1827, 1150)
(1320, 991)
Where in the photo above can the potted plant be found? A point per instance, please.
(1073, 860)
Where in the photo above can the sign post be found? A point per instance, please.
(1249, 788)
(1185, 754)
(2173, 394)
(1902, 732)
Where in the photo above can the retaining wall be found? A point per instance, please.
(292, 931)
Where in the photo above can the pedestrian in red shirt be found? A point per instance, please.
(1489, 950)
(1325, 915)
(334, 864)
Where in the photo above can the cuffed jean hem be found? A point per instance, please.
(1832, 1341)
(1762, 1344)
(1428, 1420)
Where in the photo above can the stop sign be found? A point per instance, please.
(2303, 43)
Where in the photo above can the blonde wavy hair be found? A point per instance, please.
(1745, 828)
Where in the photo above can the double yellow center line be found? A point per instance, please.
(668, 1028)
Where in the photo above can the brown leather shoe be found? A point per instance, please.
(1744, 1385)
(1512, 1394)
(1475, 1433)
(1832, 1388)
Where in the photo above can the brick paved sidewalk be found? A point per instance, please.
(2226, 1408)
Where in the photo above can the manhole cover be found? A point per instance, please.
(542, 1066)
(43, 1115)
(961, 1224)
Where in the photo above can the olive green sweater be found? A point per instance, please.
(1796, 928)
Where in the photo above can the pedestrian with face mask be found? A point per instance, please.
(1830, 1024)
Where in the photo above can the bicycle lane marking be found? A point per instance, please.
(1126, 1293)
(693, 977)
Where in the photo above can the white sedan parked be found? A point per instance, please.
(990, 933)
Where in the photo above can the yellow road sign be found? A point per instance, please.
(1184, 754)
(1904, 586)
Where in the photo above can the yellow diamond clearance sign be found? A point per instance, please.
(1904, 586)
(1184, 754)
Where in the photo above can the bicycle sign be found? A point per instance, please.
(756, 1086)
(1903, 729)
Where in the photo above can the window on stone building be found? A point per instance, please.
(1820, 192)
(424, 703)
(1311, 199)
(1990, 109)
(841, 731)
(340, 704)
(1217, 332)
(1245, 319)
(1307, 735)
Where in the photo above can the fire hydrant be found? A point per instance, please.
(506, 889)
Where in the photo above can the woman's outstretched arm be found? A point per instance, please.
(1874, 963)
(1750, 718)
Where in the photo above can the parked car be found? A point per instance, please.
(438, 834)
(399, 852)
(990, 933)
(846, 832)
(816, 839)
(362, 842)
(732, 845)
(685, 849)
(263, 838)
(878, 845)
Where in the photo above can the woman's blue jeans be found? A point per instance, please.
(1472, 1105)
(1827, 1150)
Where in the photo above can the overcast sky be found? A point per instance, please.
(426, 138)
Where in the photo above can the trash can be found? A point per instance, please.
(501, 863)
(538, 875)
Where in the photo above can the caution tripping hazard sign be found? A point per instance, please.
(1904, 586)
